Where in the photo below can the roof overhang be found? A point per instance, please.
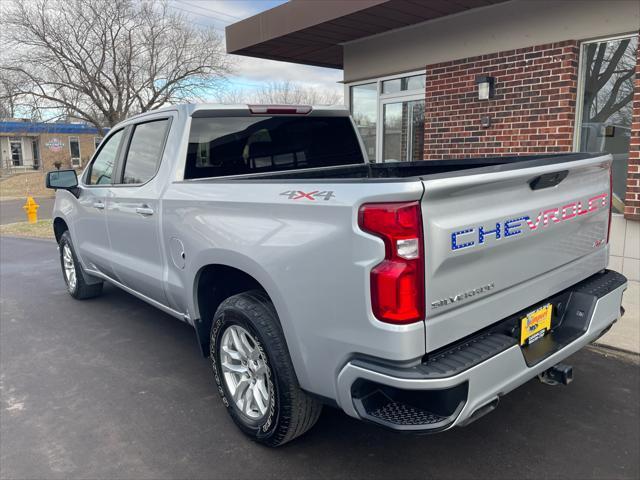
(312, 32)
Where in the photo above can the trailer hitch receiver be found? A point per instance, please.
(558, 374)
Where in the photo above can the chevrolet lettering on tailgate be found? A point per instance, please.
(473, 236)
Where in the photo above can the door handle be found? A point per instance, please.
(144, 211)
(98, 205)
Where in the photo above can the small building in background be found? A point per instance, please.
(26, 145)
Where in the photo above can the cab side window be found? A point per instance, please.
(102, 167)
(145, 151)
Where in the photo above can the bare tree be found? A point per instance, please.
(282, 93)
(290, 93)
(103, 60)
(8, 97)
(233, 97)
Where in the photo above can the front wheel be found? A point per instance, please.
(72, 271)
(254, 373)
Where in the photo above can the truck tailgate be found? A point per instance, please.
(500, 240)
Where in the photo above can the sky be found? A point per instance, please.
(251, 73)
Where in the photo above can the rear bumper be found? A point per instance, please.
(462, 383)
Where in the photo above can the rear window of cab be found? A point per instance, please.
(224, 146)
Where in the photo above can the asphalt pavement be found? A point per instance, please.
(113, 388)
(11, 211)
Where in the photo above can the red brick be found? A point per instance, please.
(532, 111)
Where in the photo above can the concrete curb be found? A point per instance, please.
(614, 350)
(622, 355)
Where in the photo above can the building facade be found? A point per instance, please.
(39, 145)
(474, 78)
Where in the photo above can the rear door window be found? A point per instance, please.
(145, 151)
(225, 146)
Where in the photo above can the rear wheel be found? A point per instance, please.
(254, 373)
(72, 272)
(244, 371)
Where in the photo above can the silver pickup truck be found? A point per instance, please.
(410, 295)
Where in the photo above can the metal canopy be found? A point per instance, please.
(312, 32)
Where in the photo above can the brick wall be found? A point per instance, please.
(533, 110)
(632, 199)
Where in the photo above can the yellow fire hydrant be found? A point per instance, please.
(31, 208)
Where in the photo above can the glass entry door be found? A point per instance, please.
(402, 130)
(16, 151)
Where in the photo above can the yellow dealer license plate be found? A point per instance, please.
(535, 325)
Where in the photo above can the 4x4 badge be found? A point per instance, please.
(313, 196)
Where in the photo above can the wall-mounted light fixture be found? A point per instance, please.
(486, 87)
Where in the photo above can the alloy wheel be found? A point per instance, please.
(69, 267)
(245, 372)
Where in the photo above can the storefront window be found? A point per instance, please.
(74, 150)
(36, 153)
(364, 104)
(414, 82)
(607, 76)
(398, 135)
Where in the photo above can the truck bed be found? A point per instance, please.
(488, 227)
(410, 170)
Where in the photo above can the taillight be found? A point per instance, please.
(397, 283)
(610, 200)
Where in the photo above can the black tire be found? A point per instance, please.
(291, 411)
(81, 289)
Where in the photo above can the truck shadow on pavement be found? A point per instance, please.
(112, 387)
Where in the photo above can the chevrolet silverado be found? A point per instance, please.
(409, 295)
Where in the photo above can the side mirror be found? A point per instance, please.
(62, 179)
